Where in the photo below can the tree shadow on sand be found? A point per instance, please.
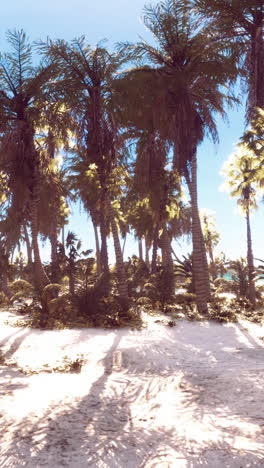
(121, 422)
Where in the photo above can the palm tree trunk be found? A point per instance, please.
(71, 278)
(140, 250)
(167, 261)
(121, 273)
(63, 237)
(97, 248)
(155, 249)
(147, 248)
(103, 232)
(251, 283)
(28, 246)
(54, 249)
(256, 78)
(41, 279)
(200, 266)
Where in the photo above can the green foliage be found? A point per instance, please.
(184, 271)
(260, 269)
(185, 298)
(159, 288)
(239, 276)
(223, 310)
(137, 273)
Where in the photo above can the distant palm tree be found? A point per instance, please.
(211, 238)
(238, 172)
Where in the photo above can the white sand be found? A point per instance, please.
(188, 396)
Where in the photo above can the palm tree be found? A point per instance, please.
(23, 97)
(211, 238)
(186, 70)
(253, 141)
(240, 23)
(86, 77)
(238, 172)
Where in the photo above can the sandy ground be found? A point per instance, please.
(188, 396)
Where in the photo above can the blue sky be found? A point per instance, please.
(119, 20)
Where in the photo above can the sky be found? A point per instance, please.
(120, 20)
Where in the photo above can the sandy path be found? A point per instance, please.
(188, 396)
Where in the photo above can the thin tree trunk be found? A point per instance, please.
(250, 262)
(28, 246)
(54, 251)
(103, 232)
(124, 244)
(121, 273)
(200, 266)
(147, 248)
(155, 249)
(173, 253)
(167, 263)
(140, 250)
(71, 278)
(256, 78)
(97, 248)
(63, 237)
(41, 279)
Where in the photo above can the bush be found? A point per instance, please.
(185, 298)
(21, 286)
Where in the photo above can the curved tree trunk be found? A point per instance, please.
(121, 273)
(200, 266)
(251, 283)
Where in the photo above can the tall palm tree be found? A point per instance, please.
(238, 172)
(241, 24)
(23, 97)
(86, 77)
(187, 70)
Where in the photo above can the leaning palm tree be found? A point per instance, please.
(23, 98)
(187, 70)
(239, 170)
(240, 23)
